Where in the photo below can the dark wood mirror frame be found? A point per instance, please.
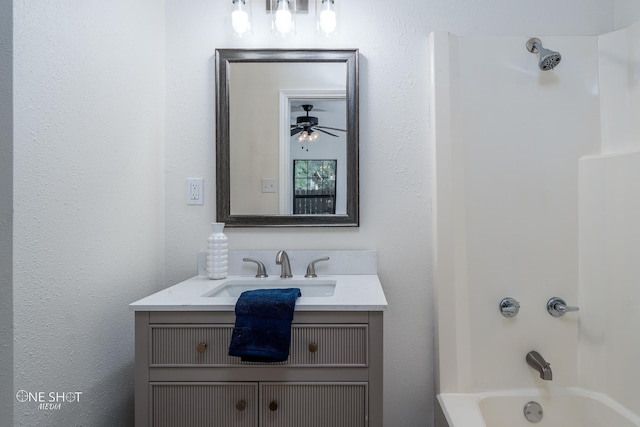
(223, 59)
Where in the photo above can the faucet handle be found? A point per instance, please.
(311, 268)
(262, 271)
(557, 307)
(509, 307)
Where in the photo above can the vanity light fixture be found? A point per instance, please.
(283, 16)
(241, 18)
(283, 21)
(326, 17)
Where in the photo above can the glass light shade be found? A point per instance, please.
(309, 136)
(241, 18)
(283, 22)
(327, 17)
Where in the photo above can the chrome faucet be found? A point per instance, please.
(537, 362)
(283, 259)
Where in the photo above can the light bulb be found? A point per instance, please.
(240, 22)
(328, 20)
(240, 19)
(283, 20)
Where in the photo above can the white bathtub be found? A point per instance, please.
(566, 407)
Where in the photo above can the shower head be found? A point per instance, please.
(549, 59)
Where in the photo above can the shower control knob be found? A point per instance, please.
(509, 307)
(557, 307)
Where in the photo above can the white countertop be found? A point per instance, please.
(353, 292)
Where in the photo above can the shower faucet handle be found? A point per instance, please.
(557, 307)
(509, 307)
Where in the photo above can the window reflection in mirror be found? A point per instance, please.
(314, 186)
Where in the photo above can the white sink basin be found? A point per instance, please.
(308, 287)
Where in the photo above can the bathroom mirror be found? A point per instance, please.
(287, 137)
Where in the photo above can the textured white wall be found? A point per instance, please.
(6, 211)
(88, 199)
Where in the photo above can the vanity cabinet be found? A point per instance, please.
(184, 376)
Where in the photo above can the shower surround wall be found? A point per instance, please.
(610, 229)
(507, 203)
(528, 206)
(533, 201)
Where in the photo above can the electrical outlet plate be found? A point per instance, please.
(195, 191)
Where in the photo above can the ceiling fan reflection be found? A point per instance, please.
(307, 125)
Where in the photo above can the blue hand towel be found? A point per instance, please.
(262, 332)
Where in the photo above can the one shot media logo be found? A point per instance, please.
(51, 400)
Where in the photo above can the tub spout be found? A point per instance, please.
(537, 362)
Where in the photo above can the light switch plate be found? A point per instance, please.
(269, 185)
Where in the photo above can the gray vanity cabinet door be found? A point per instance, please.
(313, 404)
(204, 404)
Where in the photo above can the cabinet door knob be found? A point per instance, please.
(313, 347)
(241, 405)
(201, 347)
(273, 406)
